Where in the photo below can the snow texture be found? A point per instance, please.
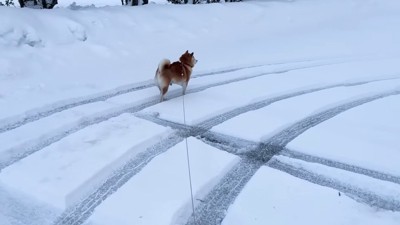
(291, 114)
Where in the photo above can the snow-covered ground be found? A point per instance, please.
(291, 114)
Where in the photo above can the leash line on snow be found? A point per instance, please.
(188, 159)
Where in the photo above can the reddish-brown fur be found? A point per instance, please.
(178, 72)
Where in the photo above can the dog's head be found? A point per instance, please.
(188, 58)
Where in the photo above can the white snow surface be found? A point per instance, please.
(84, 157)
(343, 138)
(385, 189)
(223, 98)
(74, 79)
(283, 113)
(272, 195)
(79, 52)
(160, 194)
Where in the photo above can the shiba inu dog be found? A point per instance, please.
(174, 73)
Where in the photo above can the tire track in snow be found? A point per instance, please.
(229, 70)
(218, 119)
(79, 213)
(16, 153)
(284, 137)
(13, 122)
(207, 209)
(212, 209)
(343, 166)
(330, 59)
(356, 193)
(231, 145)
(82, 211)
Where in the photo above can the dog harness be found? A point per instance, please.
(183, 69)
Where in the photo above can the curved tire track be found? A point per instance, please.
(229, 70)
(20, 120)
(230, 188)
(13, 122)
(358, 194)
(219, 199)
(343, 166)
(218, 119)
(79, 213)
(16, 153)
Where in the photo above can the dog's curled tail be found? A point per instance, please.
(163, 64)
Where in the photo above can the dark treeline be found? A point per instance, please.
(49, 4)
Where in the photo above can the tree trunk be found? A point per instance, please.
(139, 2)
(43, 4)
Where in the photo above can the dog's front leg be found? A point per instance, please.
(184, 86)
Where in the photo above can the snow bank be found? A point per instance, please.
(51, 55)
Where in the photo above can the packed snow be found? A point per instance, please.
(284, 199)
(291, 114)
(343, 138)
(164, 192)
(60, 173)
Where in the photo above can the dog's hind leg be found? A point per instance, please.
(156, 80)
(163, 92)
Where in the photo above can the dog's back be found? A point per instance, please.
(178, 72)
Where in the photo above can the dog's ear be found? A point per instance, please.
(187, 52)
(192, 53)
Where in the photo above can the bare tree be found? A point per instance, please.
(40, 4)
(7, 3)
(134, 2)
(199, 1)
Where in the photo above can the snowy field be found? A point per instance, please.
(292, 114)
